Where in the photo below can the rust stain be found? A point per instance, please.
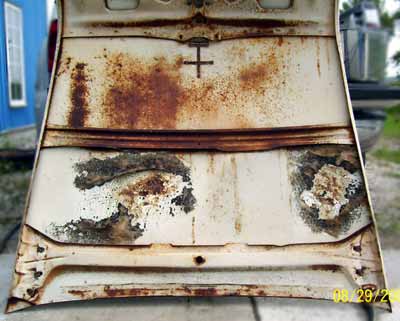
(200, 21)
(179, 62)
(14, 304)
(328, 51)
(64, 66)
(79, 96)
(80, 293)
(238, 212)
(143, 95)
(252, 77)
(154, 188)
(151, 94)
(96, 172)
(255, 77)
(205, 292)
(328, 267)
(280, 41)
(225, 141)
(193, 230)
(112, 292)
(211, 163)
(152, 185)
(150, 190)
(128, 223)
(318, 57)
(238, 51)
(119, 228)
(328, 188)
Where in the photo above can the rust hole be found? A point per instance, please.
(40, 249)
(357, 248)
(199, 260)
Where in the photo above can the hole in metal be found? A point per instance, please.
(199, 260)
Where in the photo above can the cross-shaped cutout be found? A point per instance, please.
(198, 43)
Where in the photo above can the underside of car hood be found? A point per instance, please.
(197, 151)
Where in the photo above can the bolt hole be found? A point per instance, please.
(38, 274)
(199, 260)
(199, 20)
(40, 249)
(32, 292)
(360, 272)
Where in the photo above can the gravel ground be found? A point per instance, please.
(384, 183)
(13, 188)
(383, 178)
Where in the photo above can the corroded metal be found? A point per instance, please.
(253, 83)
(244, 140)
(355, 256)
(201, 150)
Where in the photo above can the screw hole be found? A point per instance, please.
(38, 274)
(32, 292)
(199, 260)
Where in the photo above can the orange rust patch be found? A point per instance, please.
(79, 96)
(153, 185)
(280, 41)
(179, 62)
(142, 95)
(81, 293)
(257, 76)
(251, 77)
(238, 51)
(152, 93)
(205, 292)
(238, 225)
(114, 292)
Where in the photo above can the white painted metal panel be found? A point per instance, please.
(237, 198)
(253, 83)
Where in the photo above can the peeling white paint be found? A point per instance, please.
(330, 187)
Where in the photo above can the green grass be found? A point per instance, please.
(388, 155)
(7, 167)
(392, 124)
(391, 131)
(394, 175)
(6, 143)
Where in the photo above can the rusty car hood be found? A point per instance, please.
(197, 152)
